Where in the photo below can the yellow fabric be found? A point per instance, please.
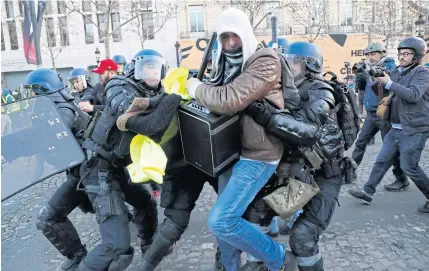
(175, 82)
(149, 160)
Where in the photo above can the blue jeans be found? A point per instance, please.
(235, 233)
(409, 149)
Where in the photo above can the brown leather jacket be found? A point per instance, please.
(261, 78)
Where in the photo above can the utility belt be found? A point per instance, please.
(93, 150)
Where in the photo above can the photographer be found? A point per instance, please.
(409, 115)
(375, 65)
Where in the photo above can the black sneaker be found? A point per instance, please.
(359, 194)
(397, 185)
(254, 266)
(272, 234)
(285, 230)
(425, 208)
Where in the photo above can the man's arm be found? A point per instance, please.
(254, 83)
(418, 86)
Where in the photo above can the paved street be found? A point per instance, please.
(387, 235)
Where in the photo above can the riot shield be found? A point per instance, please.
(35, 144)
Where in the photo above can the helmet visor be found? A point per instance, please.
(150, 69)
(297, 64)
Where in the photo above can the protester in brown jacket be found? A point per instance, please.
(243, 75)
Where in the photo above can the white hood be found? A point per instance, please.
(237, 22)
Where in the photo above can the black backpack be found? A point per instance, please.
(346, 109)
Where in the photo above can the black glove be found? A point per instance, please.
(261, 112)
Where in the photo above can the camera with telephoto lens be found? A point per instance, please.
(376, 71)
(359, 67)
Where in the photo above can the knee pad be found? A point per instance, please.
(46, 217)
(59, 231)
(304, 239)
(180, 218)
(170, 231)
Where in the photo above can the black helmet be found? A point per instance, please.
(418, 45)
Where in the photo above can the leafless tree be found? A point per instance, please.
(311, 15)
(391, 18)
(150, 19)
(257, 10)
(104, 9)
(48, 41)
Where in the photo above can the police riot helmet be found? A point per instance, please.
(150, 67)
(375, 47)
(282, 43)
(44, 81)
(121, 62)
(308, 54)
(418, 45)
(78, 79)
(119, 59)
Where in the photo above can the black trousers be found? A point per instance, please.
(111, 190)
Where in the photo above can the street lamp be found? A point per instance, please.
(420, 26)
(97, 55)
(178, 53)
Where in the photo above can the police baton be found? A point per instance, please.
(206, 57)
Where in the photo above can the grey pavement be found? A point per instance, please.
(387, 235)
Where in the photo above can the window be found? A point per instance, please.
(3, 46)
(101, 25)
(86, 6)
(13, 35)
(89, 31)
(147, 25)
(64, 32)
(9, 9)
(196, 18)
(62, 7)
(115, 25)
(48, 8)
(146, 5)
(50, 32)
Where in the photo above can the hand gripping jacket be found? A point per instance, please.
(302, 128)
(106, 139)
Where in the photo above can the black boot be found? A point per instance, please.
(425, 208)
(167, 234)
(218, 263)
(318, 266)
(254, 266)
(145, 248)
(73, 263)
(399, 184)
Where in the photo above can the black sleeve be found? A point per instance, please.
(99, 107)
(88, 95)
(69, 118)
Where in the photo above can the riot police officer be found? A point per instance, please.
(300, 129)
(121, 62)
(88, 98)
(52, 219)
(103, 175)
